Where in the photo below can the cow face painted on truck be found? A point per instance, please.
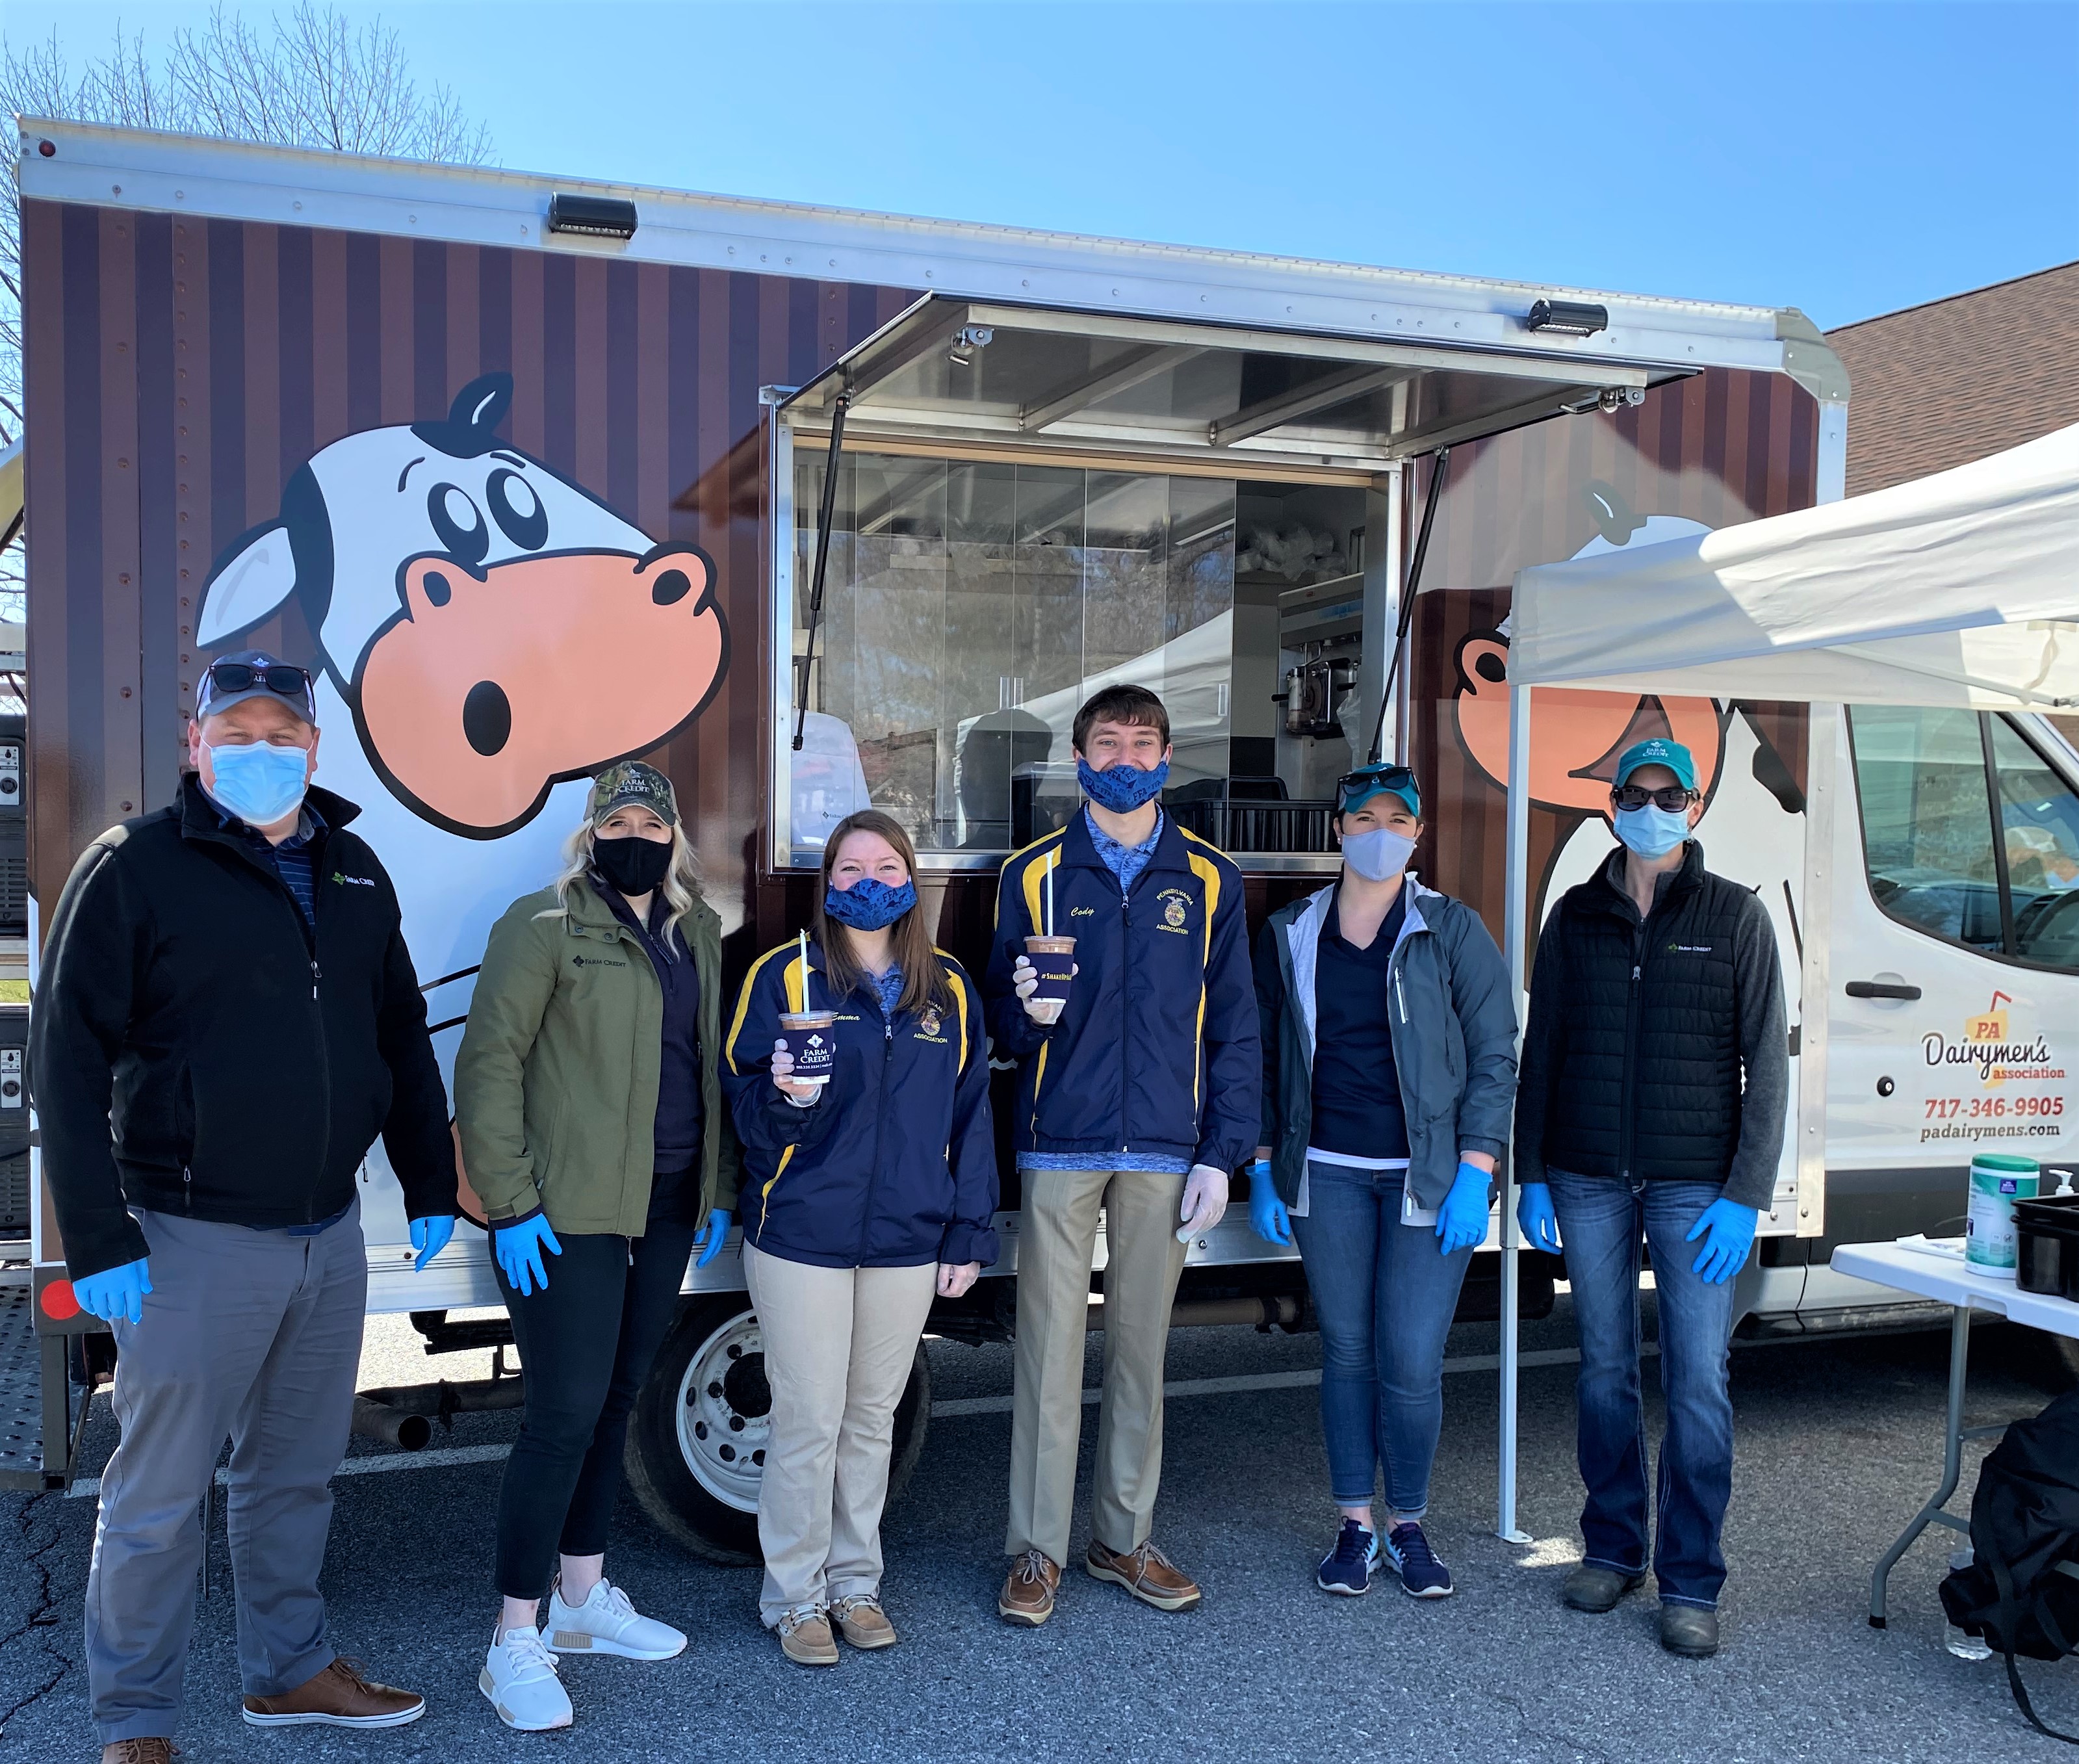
(493, 627)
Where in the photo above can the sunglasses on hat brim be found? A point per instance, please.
(281, 678)
(1372, 779)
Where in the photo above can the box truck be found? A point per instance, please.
(917, 488)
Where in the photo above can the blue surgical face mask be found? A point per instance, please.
(1121, 789)
(1378, 853)
(1651, 832)
(259, 783)
(869, 905)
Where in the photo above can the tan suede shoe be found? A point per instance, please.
(862, 1622)
(339, 1696)
(1027, 1597)
(1146, 1572)
(151, 1751)
(806, 1639)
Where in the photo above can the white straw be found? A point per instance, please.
(805, 967)
(1050, 897)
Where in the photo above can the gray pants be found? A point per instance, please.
(255, 1335)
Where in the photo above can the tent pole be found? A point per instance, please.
(1516, 934)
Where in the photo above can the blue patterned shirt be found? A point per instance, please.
(1123, 860)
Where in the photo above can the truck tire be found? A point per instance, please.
(697, 1442)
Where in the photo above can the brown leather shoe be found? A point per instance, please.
(806, 1639)
(862, 1622)
(1146, 1572)
(1027, 1597)
(152, 1751)
(339, 1696)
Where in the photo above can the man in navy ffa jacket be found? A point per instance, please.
(1139, 1094)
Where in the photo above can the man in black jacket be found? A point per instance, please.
(1654, 1075)
(228, 1017)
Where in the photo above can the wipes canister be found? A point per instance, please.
(1998, 1179)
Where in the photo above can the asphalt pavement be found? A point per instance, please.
(1838, 1443)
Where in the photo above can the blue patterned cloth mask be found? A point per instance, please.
(868, 905)
(1121, 789)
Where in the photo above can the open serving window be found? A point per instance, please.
(1026, 504)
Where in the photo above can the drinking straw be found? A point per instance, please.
(805, 967)
(1050, 897)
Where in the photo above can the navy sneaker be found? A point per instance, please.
(1422, 1575)
(1348, 1567)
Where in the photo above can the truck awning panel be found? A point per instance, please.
(997, 375)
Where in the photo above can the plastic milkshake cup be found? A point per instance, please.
(1053, 959)
(811, 1037)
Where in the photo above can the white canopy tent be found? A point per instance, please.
(1961, 590)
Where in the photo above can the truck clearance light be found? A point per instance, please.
(1568, 318)
(599, 217)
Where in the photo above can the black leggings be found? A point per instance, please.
(586, 1343)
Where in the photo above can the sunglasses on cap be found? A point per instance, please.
(1370, 780)
(281, 679)
(1674, 798)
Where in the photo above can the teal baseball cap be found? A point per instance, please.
(1657, 752)
(1355, 789)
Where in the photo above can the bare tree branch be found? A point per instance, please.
(309, 78)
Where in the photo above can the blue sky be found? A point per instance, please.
(1849, 160)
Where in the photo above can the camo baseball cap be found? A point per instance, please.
(630, 781)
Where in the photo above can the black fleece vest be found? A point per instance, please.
(1648, 1083)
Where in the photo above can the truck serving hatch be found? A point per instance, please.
(989, 377)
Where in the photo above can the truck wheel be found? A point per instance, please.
(696, 1443)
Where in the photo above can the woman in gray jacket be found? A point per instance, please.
(1389, 1048)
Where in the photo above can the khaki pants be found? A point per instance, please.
(838, 1346)
(1057, 1234)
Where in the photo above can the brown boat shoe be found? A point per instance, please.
(806, 1639)
(153, 1750)
(862, 1622)
(339, 1696)
(1146, 1572)
(1027, 1597)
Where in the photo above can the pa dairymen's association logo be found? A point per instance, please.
(1173, 915)
(1990, 1045)
(929, 1022)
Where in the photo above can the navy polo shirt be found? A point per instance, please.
(1356, 1088)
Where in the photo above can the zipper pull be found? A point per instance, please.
(1634, 974)
(315, 978)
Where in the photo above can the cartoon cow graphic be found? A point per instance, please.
(493, 635)
(1754, 823)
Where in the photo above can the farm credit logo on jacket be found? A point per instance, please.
(493, 627)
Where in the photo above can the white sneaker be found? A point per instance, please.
(606, 1623)
(519, 1676)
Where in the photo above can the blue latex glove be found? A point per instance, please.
(1732, 1234)
(711, 1236)
(1534, 1212)
(1462, 1222)
(115, 1292)
(518, 1248)
(430, 1236)
(1269, 1214)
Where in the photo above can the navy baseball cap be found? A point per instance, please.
(1657, 751)
(253, 673)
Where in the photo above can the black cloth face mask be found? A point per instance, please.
(633, 866)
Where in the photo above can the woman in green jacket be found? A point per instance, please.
(594, 1131)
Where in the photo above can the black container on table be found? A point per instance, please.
(2047, 1246)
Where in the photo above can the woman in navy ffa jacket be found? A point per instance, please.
(861, 1198)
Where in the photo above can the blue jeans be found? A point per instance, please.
(1385, 1294)
(1601, 1223)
